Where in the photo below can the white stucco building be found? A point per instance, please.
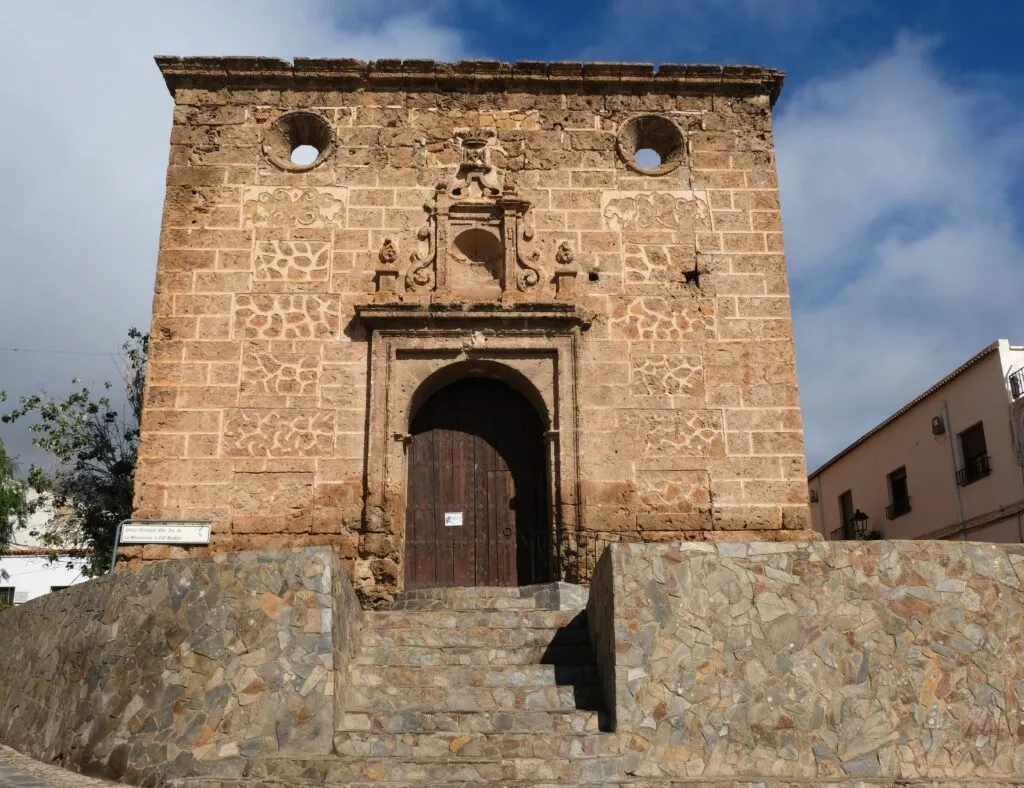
(26, 569)
(947, 465)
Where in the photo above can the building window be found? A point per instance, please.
(6, 595)
(975, 455)
(846, 530)
(899, 495)
(1017, 384)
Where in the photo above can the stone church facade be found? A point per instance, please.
(478, 332)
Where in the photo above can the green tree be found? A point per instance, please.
(13, 504)
(95, 448)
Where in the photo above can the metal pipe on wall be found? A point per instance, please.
(952, 457)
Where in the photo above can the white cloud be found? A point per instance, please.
(905, 254)
(84, 146)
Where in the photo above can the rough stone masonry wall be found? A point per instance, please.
(181, 667)
(875, 660)
(689, 424)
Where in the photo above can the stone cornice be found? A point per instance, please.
(212, 73)
(446, 316)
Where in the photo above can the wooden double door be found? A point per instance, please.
(477, 512)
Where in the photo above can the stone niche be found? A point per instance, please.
(470, 220)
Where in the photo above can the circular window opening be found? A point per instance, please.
(298, 141)
(305, 154)
(647, 158)
(651, 144)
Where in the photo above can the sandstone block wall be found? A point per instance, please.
(685, 420)
(181, 667)
(882, 661)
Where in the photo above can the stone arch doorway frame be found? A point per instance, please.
(480, 368)
(410, 360)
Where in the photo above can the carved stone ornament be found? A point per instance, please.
(476, 244)
(387, 273)
(565, 274)
(388, 255)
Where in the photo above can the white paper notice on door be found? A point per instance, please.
(452, 518)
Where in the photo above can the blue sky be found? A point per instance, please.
(898, 136)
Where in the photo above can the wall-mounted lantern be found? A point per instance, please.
(938, 427)
(860, 523)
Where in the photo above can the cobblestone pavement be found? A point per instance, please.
(20, 771)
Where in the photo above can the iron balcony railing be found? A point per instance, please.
(843, 533)
(897, 508)
(974, 468)
(1017, 384)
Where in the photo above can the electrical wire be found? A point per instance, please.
(58, 352)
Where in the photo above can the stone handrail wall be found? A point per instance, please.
(182, 667)
(883, 660)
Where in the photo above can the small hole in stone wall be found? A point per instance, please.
(648, 158)
(304, 154)
(593, 276)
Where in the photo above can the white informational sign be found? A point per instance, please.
(453, 518)
(177, 533)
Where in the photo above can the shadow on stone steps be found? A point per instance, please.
(563, 652)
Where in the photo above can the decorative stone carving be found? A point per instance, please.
(292, 261)
(387, 254)
(476, 242)
(674, 491)
(280, 316)
(654, 317)
(656, 264)
(654, 210)
(387, 272)
(421, 274)
(527, 259)
(666, 375)
(476, 178)
(253, 432)
(280, 375)
(667, 434)
(565, 274)
(302, 207)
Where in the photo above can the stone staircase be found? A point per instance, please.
(463, 686)
(481, 686)
(475, 685)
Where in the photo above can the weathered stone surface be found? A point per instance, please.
(181, 667)
(736, 664)
(644, 312)
(832, 660)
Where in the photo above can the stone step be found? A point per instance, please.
(497, 604)
(469, 699)
(479, 745)
(579, 653)
(546, 596)
(476, 619)
(552, 721)
(473, 637)
(206, 782)
(414, 771)
(367, 676)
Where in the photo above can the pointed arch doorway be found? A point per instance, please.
(477, 508)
